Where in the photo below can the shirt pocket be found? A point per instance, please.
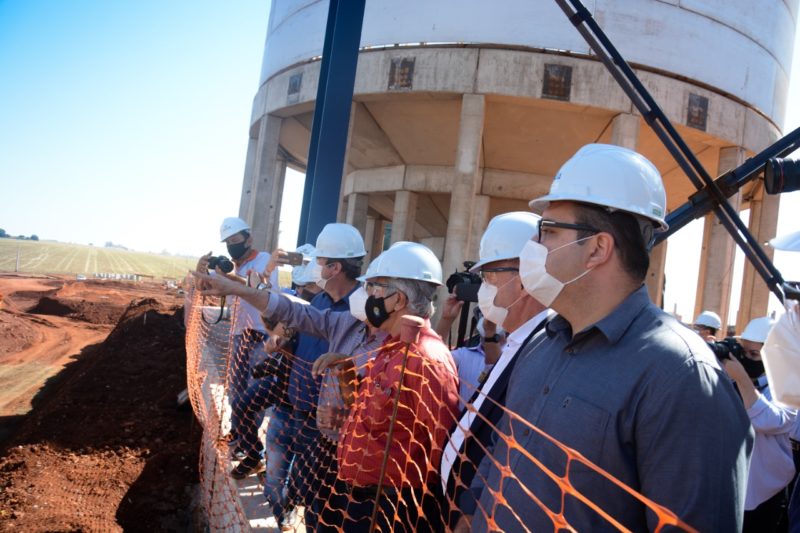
(582, 426)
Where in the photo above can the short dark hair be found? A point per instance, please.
(350, 266)
(631, 234)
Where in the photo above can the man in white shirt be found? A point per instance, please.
(503, 300)
(249, 338)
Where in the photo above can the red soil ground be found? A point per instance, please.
(104, 446)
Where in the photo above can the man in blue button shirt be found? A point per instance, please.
(611, 377)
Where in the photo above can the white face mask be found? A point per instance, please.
(316, 275)
(358, 304)
(491, 312)
(534, 275)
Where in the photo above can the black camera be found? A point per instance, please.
(781, 175)
(222, 262)
(726, 348)
(464, 284)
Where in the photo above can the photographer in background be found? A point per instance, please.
(707, 324)
(249, 334)
(771, 465)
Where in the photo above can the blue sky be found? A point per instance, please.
(128, 122)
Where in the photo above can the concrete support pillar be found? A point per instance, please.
(763, 225)
(715, 277)
(625, 130)
(404, 217)
(357, 206)
(264, 209)
(655, 274)
(374, 237)
(466, 182)
(249, 173)
(343, 208)
(480, 219)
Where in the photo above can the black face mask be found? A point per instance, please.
(238, 250)
(376, 311)
(754, 369)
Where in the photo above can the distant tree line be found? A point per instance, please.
(4, 235)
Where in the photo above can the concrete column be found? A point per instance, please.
(625, 130)
(763, 225)
(465, 184)
(375, 241)
(714, 279)
(404, 217)
(357, 206)
(655, 274)
(247, 184)
(480, 219)
(343, 209)
(264, 209)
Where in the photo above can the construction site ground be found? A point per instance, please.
(91, 437)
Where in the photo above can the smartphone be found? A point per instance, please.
(291, 258)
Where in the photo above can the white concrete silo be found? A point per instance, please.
(464, 109)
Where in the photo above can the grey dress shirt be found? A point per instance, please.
(640, 396)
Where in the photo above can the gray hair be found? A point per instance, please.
(419, 295)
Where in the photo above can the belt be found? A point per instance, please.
(795, 445)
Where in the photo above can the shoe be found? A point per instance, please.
(246, 468)
(290, 520)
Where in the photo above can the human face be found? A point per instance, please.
(752, 350)
(558, 231)
(502, 274)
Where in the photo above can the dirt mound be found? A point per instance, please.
(16, 334)
(93, 312)
(106, 448)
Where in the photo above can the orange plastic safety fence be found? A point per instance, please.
(376, 432)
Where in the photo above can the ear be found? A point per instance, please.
(402, 301)
(601, 250)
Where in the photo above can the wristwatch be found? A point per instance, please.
(263, 286)
(494, 338)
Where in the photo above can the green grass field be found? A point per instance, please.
(42, 257)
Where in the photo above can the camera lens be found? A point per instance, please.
(781, 175)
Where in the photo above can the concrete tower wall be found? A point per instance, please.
(695, 39)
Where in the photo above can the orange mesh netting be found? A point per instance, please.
(330, 480)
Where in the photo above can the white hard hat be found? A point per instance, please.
(303, 274)
(789, 243)
(505, 236)
(231, 226)
(406, 260)
(609, 176)
(758, 329)
(340, 241)
(709, 319)
(307, 250)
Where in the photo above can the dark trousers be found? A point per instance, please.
(767, 517)
(411, 510)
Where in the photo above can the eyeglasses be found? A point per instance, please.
(487, 274)
(372, 286)
(546, 225)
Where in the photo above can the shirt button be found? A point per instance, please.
(546, 389)
(570, 350)
(526, 432)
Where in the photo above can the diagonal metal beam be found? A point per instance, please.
(712, 197)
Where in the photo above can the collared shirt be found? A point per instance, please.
(513, 342)
(470, 363)
(427, 407)
(771, 466)
(344, 333)
(303, 390)
(245, 316)
(640, 396)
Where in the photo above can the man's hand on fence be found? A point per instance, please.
(218, 285)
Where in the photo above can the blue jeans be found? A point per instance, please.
(291, 476)
(278, 461)
(246, 347)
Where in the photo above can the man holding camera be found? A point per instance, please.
(771, 466)
(612, 376)
(249, 337)
(504, 301)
